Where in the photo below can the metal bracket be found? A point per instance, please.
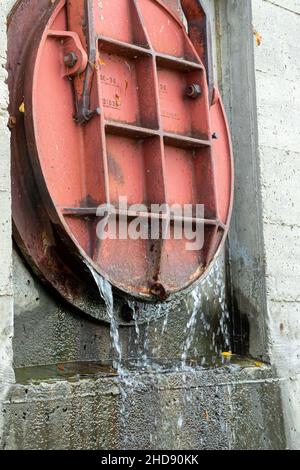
(80, 20)
(80, 14)
(199, 29)
(75, 57)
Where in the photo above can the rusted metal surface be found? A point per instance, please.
(116, 103)
(199, 29)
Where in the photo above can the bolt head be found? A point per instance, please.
(70, 59)
(193, 91)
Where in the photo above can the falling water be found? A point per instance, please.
(136, 322)
(137, 329)
(189, 332)
(199, 299)
(191, 326)
(157, 349)
(105, 290)
(199, 322)
(106, 293)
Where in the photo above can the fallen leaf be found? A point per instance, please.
(22, 108)
(258, 364)
(227, 354)
(258, 37)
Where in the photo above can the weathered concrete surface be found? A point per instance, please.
(260, 69)
(226, 408)
(6, 298)
(237, 80)
(47, 332)
(277, 74)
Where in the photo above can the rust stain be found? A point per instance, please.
(258, 37)
(12, 121)
(118, 100)
(115, 170)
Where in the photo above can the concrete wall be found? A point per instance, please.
(6, 297)
(231, 408)
(277, 74)
(246, 238)
(260, 68)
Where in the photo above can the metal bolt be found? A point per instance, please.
(70, 59)
(193, 91)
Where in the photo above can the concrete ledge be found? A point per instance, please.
(232, 407)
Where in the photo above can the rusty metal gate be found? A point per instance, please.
(113, 98)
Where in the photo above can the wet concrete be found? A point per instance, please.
(47, 331)
(235, 406)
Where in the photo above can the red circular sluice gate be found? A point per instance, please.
(112, 106)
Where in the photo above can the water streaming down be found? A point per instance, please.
(190, 330)
(191, 326)
(194, 303)
(199, 299)
(220, 295)
(126, 382)
(145, 355)
(105, 290)
(136, 322)
(198, 323)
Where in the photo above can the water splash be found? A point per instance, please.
(180, 422)
(132, 305)
(146, 362)
(191, 326)
(106, 293)
(220, 301)
(199, 324)
(124, 383)
(218, 335)
(157, 350)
